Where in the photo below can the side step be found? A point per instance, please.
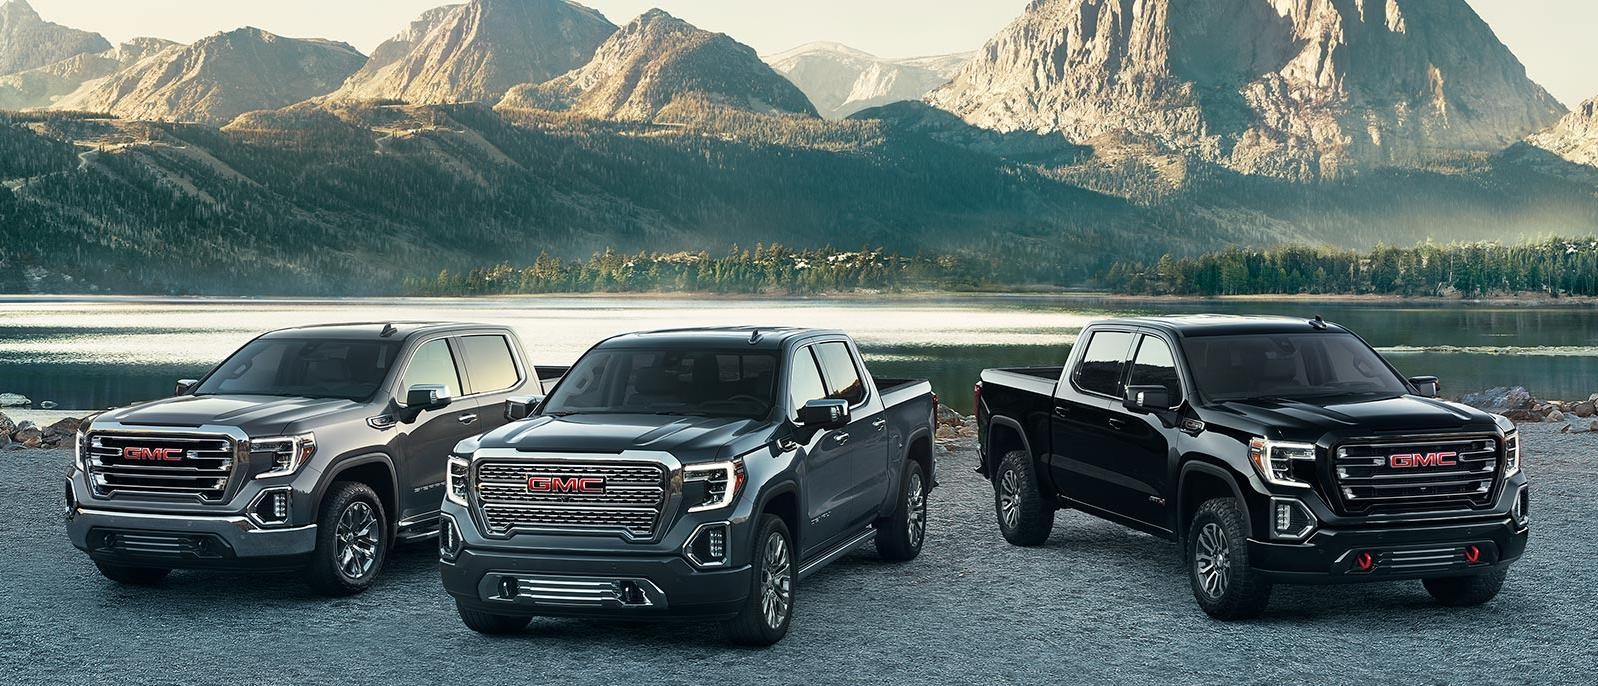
(417, 528)
(815, 565)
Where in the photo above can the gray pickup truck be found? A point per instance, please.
(310, 448)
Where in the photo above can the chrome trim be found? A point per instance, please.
(671, 496)
(234, 480)
(831, 556)
(1309, 530)
(238, 521)
(688, 546)
(249, 510)
(568, 591)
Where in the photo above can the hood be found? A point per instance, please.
(1363, 413)
(256, 415)
(689, 439)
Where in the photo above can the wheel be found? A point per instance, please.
(351, 540)
(1024, 518)
(899, 535)
(489, 623)
(1226, 587)
(132, 576)
(767, 613)
(1467, 591)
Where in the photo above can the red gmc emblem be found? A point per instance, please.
(1418, 460)
(153, 454)
(574, 485)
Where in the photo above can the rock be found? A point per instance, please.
(6, 427)
(48, 405)
(68, 426)
(1586, 408)
(1556, 416)
(14, 400)
(28, 435)
(1524, 415)
(1564, 429)
(948, 416)
(1592, 398)
(1594, 427)
(1500, 399)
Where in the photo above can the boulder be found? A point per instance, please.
(948, 416)
(1523, 415)
(1501, 399)
(1556, 416)
(1592, 398)
(68, 426)
(14, 400)
(28, 435)
(48, 405)
(1586, 408)
(6, 427)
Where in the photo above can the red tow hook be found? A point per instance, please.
(1365, 561)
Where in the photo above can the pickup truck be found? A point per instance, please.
(694, 473)
(1271, 450)
(309, 448)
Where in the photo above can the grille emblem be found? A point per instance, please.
(144, 454)
(1418, 460)
(576, 485)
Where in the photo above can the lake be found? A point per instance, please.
(87, 353)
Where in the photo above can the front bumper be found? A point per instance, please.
(1414, 552)
(512, 582)
(184, 541)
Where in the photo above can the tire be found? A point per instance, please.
(1025, 518)
(1225, 585)
(132, 576)
(352, 541)
(775, 576)
(1467, 591)
(901, 534)
(488, 623)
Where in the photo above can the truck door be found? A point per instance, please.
(1083, 456)
(1141, 444)
(424, 451)
(493, 375)
(862, 475)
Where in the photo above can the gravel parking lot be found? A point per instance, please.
(1098, 604)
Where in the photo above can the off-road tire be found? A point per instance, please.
(1467, 591)
(326, 574)
(1219, 533)
(750, 627)
(488, 623)
(132, 576)
(901, 534)
(1025, 517)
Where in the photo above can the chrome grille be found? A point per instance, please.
(633, 499)
(1366, 478)
(193, 466)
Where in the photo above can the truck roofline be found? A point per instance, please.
(1198, 325)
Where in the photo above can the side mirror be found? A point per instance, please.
(823, 415)
(185, 386)
(1147, 399)
(517, 409)
(426, 396)
(1427, 386)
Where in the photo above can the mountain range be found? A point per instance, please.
(1087, 132)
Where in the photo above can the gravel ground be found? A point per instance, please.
(1098, 604)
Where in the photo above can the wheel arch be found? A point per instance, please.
(376, 470)
(1004, 435)
(1202, 480)
(783, 500)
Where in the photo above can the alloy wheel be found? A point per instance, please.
(1010, 498)
(357, 537)
(916, 515)
(1212, 560)
(776, 581)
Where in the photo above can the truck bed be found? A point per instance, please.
(898, 391)
(1039, 380)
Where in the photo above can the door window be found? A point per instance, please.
(1155, 366)
(804, 382)
(489, 363)
(433, 364)
(1103, 363)
(843, 377)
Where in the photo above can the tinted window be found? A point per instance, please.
(670, 382)
(1287, 366)
(304, 369)
(433, 364)
(1154, 366)
(1103, 362)
(843, 377)
(489, 364)
(804, 381)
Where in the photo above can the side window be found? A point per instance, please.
(1155, 366)
(433, 364)
(843, 377)
(1103, 362)
(489, 363)
(804, 381)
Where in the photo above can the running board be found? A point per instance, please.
(815, 565)
(417, 528)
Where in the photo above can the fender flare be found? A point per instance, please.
(1199, 465)
(989, 460)
(770, 493)
(337, 468)
(909, 441)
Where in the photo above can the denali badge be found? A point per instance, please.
(153, 454)
(1416, 460)
(570, 485)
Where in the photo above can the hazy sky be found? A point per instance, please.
(1552, 37)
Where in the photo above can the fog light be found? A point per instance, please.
(1365, 561)
(449, 539)
(70, 503)
(1522, 508)
(272, 507)
(1473, 554)
(1291, 519)
(509, 588)
(707, 547)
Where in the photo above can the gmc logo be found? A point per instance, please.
(152, 454)
(575, 485)
(1417, 460)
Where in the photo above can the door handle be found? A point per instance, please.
(1062, 412)
(880, 424)
(468, 419)
(841, 437)
(1117, 423)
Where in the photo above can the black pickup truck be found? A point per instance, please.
(692, 473)
(312, 448)
(1272, 450)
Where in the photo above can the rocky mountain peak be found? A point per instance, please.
(27, 41)
(842, 80)
(1575, 137)
(1291, 88)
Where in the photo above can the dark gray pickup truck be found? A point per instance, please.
(694, 473)
(311, 448)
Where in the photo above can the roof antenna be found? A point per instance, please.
(754, 337)
(388, 330)
(1318, 323)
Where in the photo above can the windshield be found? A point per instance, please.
(352, 370)
(669, 382)
(1295, 365)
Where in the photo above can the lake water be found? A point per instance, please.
(103, 352)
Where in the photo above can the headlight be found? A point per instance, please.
(1274, 460)
(713, 486)
(80, 450)
(456, 488)
(287, 453)
(1511, 454)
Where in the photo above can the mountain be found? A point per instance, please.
(219, 78)
(42, 86)
(27, 41)
(1287, 88)
(657, 60)
(477, 51)
(841, 80)
(1574, 138)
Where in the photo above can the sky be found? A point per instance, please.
(1552, 37)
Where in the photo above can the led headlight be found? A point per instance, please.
(1274, 461)
(713, 486)
(1511, 454)
(80, 450)
(456, 487)
(286, 453)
